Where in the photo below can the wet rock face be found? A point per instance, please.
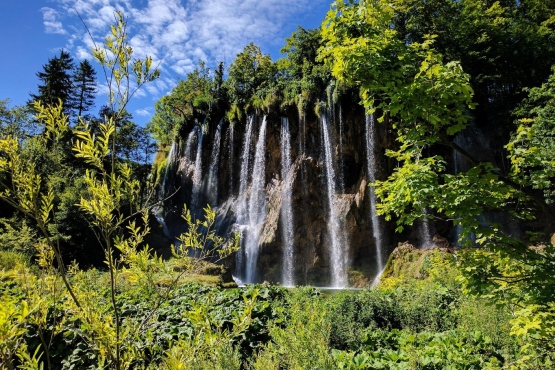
(307, 179)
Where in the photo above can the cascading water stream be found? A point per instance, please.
(158, 210)
(212, 187)
(341, 132)
(197, 176)
(170, 162)
(286, 211)
(189, 144)
(244, 174)
(256, 205)
(231, 137)
(425, 233)
(241, 208)
(371, 165)
(338, 247)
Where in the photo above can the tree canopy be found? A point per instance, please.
(428, 69)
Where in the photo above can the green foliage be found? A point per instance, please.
(15, 121)
(301, 77)
(17, 236)
(504, 46)
(194, 99)
(9, 260)
(218, 326)
(532, 146)
(201, 239)
(251, 77)
(120, 68)
(303, 342)
(399, 349)
(422, 97)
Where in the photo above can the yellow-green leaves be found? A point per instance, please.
(93, 149)
(116, 58)
(55, 122)
(407, 82)
(201, 239)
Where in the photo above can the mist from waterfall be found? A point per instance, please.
(256, 206)
(338, 248)
(286, 211)
(371, 164)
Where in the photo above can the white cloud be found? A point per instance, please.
(144, 112)
(179, 33)
(83, 53)
(51, 22)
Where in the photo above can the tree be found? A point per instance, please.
(504, 46)
(57, 82)
(250, 73)
(16, 121)
(405, 82)
(196, 98)
(301, 75)
(426, 101)
(84, 87)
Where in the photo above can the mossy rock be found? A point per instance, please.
(407, 261)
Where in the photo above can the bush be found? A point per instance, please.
(302, 343)
(9, 260)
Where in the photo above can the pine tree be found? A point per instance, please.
(84, 87)
(57, 82)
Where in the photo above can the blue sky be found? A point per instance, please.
(176, 33)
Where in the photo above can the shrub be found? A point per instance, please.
(9, 260)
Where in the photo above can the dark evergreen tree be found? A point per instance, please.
(84, 87)
(57, 82)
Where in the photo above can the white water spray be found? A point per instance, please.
(256, 206)
(197, 176)
(371, 165)
(241, 208)
(231, 136)
(338, 247)
(286, 211)
(212, 188)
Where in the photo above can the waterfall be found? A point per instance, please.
(170, 161)
(286, 211)
(302, 135)
(256, 205)
(341, 132)
(189, 143)
(425, 233)
(241, 209)
(158, 209)
(212, 188)
(371, 165)
(244, 174)
(197, 176)
(231, 136)
(338, 248)
(461, 165)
